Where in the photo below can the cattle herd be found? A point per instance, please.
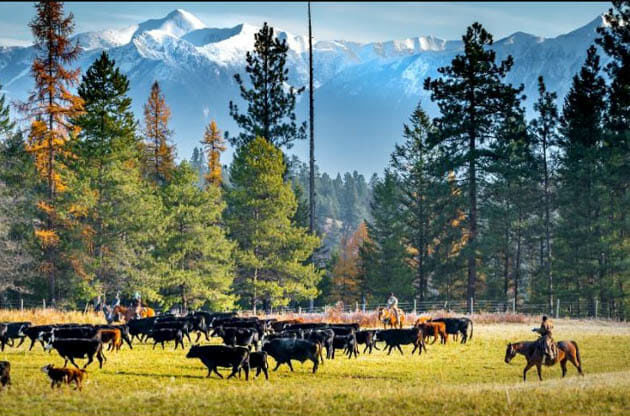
(247, 341)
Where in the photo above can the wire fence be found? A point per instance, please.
(562, 308)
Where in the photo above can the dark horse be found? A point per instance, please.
(567, 350)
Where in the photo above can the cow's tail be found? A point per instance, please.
(471, 329)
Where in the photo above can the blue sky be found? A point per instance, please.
(349, 21)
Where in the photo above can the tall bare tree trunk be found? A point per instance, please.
(311, 190)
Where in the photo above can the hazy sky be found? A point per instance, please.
(349, 21)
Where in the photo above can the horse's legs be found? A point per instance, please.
(574, 361)
(538, 370)
(563, 364)
(525, 370)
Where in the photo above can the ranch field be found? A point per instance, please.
(450, 379)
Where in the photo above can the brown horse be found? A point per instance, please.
(388, 318)
(567, 350)
(130, 313)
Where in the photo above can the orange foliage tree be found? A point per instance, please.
(346, 284)
(158, 153)
(50, 106)
(214, 146)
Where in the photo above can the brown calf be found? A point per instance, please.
(112, 337)
(434, 329)
(65, 375)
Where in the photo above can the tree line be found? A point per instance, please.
(480, 202)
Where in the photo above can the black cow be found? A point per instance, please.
(183, 324)
(213, 356)
(354, 325)
(397, 337)
(140, 327)
(198, 323)
(5, 373)
(310, 325)
(342, 330)
(167, 334)
(3, 336)
(284, 350)
(348, 343)
(245, 337)
(456, 326)
(15, 330)
(71, 348)
(258, 361)
(256, 325)
(367, 337)
(36, 333)
(73, 332)
(283, 334)
(325, 337)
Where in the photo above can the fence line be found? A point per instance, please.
(569, 308)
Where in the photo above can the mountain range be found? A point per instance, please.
(364, 92)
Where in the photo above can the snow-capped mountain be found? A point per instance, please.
(364, 91)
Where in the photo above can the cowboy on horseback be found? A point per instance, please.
(545, 342)
(392, 304)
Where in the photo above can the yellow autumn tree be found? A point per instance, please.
(346, 285)
(50, 106)
(159, 154)
(214, 145)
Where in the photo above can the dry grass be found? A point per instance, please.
(41, 316)
(450, 379)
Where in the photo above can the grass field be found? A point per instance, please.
(452, 379)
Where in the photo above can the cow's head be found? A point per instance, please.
(193, 352)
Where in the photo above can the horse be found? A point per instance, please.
(128, 313)
(388, 318)
(567, 350)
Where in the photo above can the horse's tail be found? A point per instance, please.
(577, 353)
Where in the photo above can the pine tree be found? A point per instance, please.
(50, 106)
(580, 247)
(119, 213)
(271, 250)
(270, 107)
(214, 145)
(159, 153)
(195, 255)
(410, 161)
(472, 97)
(384, 255)
(545, 131)
(6, 124)
(615, 41)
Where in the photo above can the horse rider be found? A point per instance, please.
(392, 304)
(546, 343)
(137, 304)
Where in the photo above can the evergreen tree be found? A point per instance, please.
(410, 160)
(6, 124)
(615, 41)
(50, 107)
(270, 106)
(214, 145)
(544, 129)
(580, 247)
(384, 256)
(159, 153)
(473, 98)
(195, 255)
(198, 163)
(119, 215)
(272, 250)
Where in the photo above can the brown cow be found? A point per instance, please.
(64, 375)
(112, 337)
(434, 329)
